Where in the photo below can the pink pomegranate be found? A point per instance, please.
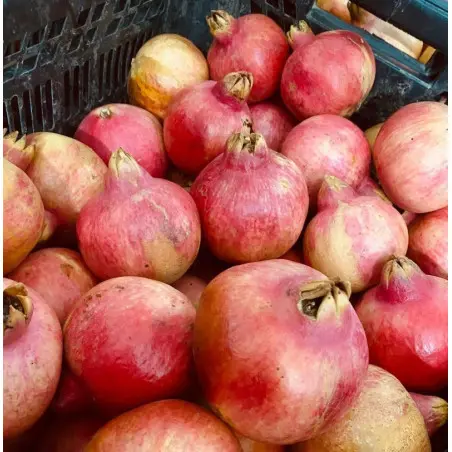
(249, 226)
(428, 242)
(279, 350)
(165, 426)
(252, 43)
(23, 216)
(341, 240)
(434, 410)
(203, 117)
(139, 225)
(16, 150)
(129, 341)
(59, 275)
(133, 129)
(405, 318)
(66, 172)
(328, 145)
(411, 159)
(32, 353)
(273, 122)
(332, 73)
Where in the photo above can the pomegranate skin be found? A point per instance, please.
(340, 241)
(191, 286)
(252, 43)
(248, 226)
(405, 319)
(32, 356)
(139, 226)
(59, 275)
(138, 132)
(272, 121)
(203, 117)
(129, 341)
(332, 74)
(428, 243)
(66, 172)
(328, 145)
(383, 418)
(271, 385)
(165, 426)
(414, 179)
(23, 216)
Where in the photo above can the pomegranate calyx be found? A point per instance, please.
(301, 27)
(238, 84)
(219, 22)
(398, 267)
(105, 113)
(244, 142)
(17, 311)
(123, 166)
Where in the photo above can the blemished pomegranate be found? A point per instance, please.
(16, 150)
(129, 341)
(66, 172)
(433, 409)
(414, 179)
(428, 242)
(405, 319)
(138, 132)
(165, 426)
(328, 145)
(302, 366)
(239, 222)
(139, 225)
(23, 216)
(32, 355)
(383, 418)
(332, 73)
(59, 275)
(272, 121)
(352, 236)
(164, 65)
(203, 117)
(252, 43)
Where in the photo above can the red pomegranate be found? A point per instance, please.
(203, 117)
(165, 426)
(138, 132)
(32, 354)
(279, 350)
(129, 341)
(59, 275)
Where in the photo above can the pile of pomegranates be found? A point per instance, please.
(230, 264)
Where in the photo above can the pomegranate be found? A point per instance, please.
(32, 353)
(405, 319)
(201, 119)
(69, 434)
(16, 151)
(151, 357)
(139, 226)
(252, 43)
(371, 134)
(59, 275)
(332, 73)
(191, 286)
(248, 445)
(328, 145)
(250, 226)
(272, 121)
(279, 350)
(71, 397)
(165, 426)
(386, 31)
(23, 216)
(352, 236)
(163, 66)
(383, 418)
(433, 409)
(66, 172)
(428, 242)
(135, 130)
(414, 179)
(338, 8)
